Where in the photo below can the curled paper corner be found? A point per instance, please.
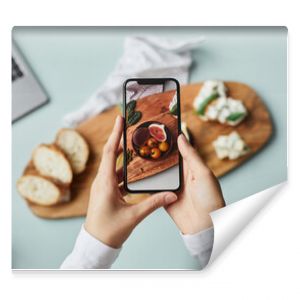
(229, 221)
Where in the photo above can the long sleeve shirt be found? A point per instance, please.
(90, 253)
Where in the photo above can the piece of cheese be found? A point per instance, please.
(173, 106)
(212, 104)
(209, 87)
(230, 146)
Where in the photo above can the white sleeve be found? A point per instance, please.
(90, 253)
(200, 245)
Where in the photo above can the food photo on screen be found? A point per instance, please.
(152, 123)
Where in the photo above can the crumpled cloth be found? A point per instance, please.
(144, 56)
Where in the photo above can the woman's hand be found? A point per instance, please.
(201, 193)
(109, 218)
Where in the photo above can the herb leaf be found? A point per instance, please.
(130, 106)
(173, 110)
(205, 102)
(129, 114)
(235, 116)
(134, 118)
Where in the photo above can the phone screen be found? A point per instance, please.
(152, 161)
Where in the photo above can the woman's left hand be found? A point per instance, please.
(109, 218)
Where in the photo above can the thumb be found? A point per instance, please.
(190, 155)
(145, 208)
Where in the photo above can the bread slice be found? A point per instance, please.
(51, 162)
(75, 148)
(40, 190)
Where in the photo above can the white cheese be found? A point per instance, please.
(173, 102)
(226, 108)
(233, 154)
(208, 88)
(173, 106)
(223, 109)
(238, 145)
(212, 113)
(230, 146)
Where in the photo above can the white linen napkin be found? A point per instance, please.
(146, 56)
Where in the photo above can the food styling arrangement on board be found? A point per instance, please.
(212, 104)
(226, 122)
(151, 138)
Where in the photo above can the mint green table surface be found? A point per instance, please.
(72, 62)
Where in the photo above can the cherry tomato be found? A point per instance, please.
(163, 146)
(155, 153)
(152, 143)
(145, 151)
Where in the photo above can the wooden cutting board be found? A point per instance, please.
(256, 130)
(154, 108)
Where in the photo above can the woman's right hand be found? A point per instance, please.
(200, 195)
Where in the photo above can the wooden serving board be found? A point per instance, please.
(256, 130)
(153, 108)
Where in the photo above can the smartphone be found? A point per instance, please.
(151, 110)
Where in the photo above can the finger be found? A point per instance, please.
(185, 170)
(120, 147)
(121, 143)
(119, 169)
(189, 154)
(152, 203)
(111, 148)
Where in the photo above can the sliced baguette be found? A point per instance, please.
(75, 148)
(41, 190)
(50, 161)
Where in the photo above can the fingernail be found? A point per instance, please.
(169, 198)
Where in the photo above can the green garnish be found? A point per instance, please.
(129, 114)
(205, 102)
(235, 116)
(247, 148)
(130, 106)
(173, 110)
(134, 118)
